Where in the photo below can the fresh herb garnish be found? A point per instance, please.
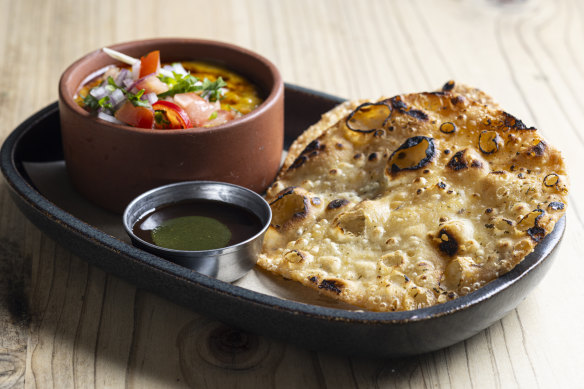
(179, 84)
(111, 82)
(136, 100)
(95, 104)
(213, 115)
(210, 90)
(105, 102)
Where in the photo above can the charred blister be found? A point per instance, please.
(312, 150)
(331, 285)
(415, 153)
(448, 128)
(465, 159)
(290, 205)
(489, 142)
(530, 224)
(448, 86)
(536, 233)
(556, 205)
(458, 161)
(551, 180)
(337, 203)
(537, 150)
(399, 105)
(457, 99)
(368, 117)
(448, 244)
(510, 122)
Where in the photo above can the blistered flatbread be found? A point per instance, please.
(411, 201)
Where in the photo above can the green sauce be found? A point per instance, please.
(191, 233)
(196, 225)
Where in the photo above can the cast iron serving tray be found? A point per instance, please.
(320, 328)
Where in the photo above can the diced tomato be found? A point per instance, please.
(150, 63)
(169, 115)
(197, 108)
(151, 83)
(135, 116)
(220, 117)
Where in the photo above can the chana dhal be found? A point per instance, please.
(179, 95)
(412, 201)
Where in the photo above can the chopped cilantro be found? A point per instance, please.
(136, 100)
(91, 102)
(94, 104)
(179, 84)
(105, 102)
(111, 82)
(212, 89)
(213, 115)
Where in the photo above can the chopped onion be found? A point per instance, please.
(128, 82)
(178, 68)
(117, 96)
(98, 92)
(108, 118)
(151, 97)
(167, 72)
(124, 73)
(136, 70)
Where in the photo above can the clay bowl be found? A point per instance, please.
(110, 164)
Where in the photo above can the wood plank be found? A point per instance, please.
(67, 324)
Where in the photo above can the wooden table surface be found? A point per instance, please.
(64, 323)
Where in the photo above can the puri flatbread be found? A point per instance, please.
(414, 200)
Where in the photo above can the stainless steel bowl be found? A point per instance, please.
(226, 264)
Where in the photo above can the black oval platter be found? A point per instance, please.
(390, 334)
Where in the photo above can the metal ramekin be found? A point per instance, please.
(226, 264)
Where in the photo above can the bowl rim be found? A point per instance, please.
(66, 98)
(222, 250)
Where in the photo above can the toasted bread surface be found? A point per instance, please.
(410, 201)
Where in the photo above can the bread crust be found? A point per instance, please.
(410, 201)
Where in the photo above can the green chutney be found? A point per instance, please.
(196, 225)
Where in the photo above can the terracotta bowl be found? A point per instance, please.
(111, 164)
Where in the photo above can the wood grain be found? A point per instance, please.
(67, 324)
